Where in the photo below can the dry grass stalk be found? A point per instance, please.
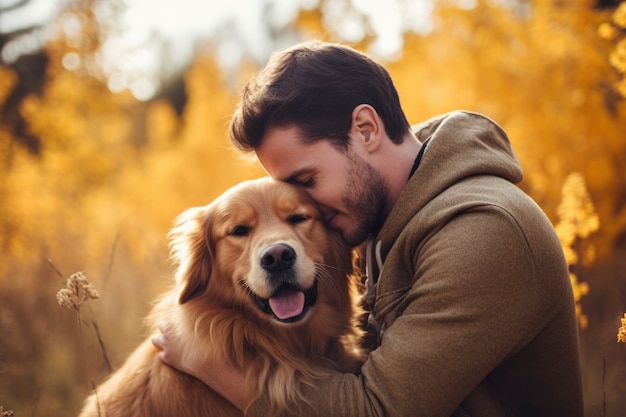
(621, 333)
(77, 291)
(8, 413)
(105, 356)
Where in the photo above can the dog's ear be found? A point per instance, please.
(191, 250)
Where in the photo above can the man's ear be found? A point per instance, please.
(367, 127)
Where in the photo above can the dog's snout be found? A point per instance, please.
(277, 257)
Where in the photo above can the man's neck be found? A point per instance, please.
(399, 162)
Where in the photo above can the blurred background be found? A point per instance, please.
(114, 118)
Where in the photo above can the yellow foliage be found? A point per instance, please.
(8, 79)
(310, 23)
(619, 16)
(577, 220)
(161, 124)
(577, 216)
(618, 56)
(613, 31)
(607, 31)
(620, 87)
(580, 289)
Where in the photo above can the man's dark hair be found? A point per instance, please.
(315, 86)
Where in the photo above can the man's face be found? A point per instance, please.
(350, 192)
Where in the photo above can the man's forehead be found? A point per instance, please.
(282, 153)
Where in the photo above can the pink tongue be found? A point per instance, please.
(287, 303)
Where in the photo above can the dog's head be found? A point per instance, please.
(261, 245)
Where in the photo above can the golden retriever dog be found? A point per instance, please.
(262, 284)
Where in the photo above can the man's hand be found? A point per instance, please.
(173, 350)
(221, 377)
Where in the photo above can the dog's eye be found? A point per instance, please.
(240, 230)
(297, 218)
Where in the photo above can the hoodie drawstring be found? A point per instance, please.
(373, 268)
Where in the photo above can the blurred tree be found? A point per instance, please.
(21, 50)
(186, 162)
(546, 78)
(80, 126)
(615, 31)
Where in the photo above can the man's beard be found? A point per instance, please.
(365, 197)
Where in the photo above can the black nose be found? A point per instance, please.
(277, 257)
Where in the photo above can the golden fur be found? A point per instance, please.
(219, 250)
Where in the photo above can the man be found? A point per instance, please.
(473, 305)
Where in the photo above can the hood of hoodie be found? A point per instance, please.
(462, 144)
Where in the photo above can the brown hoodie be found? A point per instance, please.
(473, 302)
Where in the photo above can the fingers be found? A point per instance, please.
(172, 350)
(158, 341)
(164, 327)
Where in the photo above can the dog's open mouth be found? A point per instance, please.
(289, 304)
